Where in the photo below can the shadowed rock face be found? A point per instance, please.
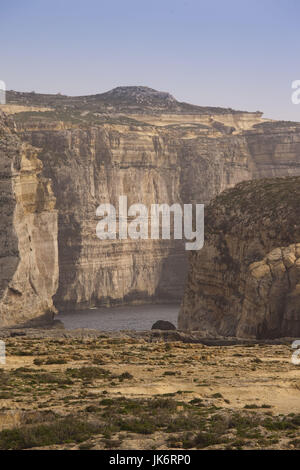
(142, 143)
(246, 280)
(163, 325)
(271, 306)
(28, 236)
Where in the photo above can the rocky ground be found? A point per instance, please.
(93, 390)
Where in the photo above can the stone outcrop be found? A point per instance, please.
(245, 282)
(271, 305)
(28, 236)
(163, 325)
(141, 143)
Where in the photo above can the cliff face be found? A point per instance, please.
(246, 280)
(144, 144)
(161, 151)
(28, 238)
(93, 166)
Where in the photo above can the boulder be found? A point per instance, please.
(163, 325)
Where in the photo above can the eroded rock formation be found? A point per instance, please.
(28, 236)
(138, 142)
(245, 282)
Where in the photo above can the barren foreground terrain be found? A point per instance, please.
(81, 390)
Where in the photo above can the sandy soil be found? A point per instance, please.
(110, 381)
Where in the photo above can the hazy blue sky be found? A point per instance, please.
(242, 54)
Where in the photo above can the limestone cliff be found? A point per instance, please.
(138, 142)
(246, 280)
(95, 165)
(28, 238)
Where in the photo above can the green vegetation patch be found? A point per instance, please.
(59, 432)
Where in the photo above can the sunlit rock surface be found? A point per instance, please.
(28, 236)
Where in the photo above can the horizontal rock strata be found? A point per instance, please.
(141, 143)
(28, 236)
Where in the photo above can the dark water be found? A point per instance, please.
(136, 317)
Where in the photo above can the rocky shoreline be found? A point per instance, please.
(56, 330)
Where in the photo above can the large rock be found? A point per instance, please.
(245, 282)
(272, 294)
(163, 325)
(28, 235)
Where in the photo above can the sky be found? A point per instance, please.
(242, 54)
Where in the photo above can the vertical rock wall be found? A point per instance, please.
(28, 236)
(185, 161)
